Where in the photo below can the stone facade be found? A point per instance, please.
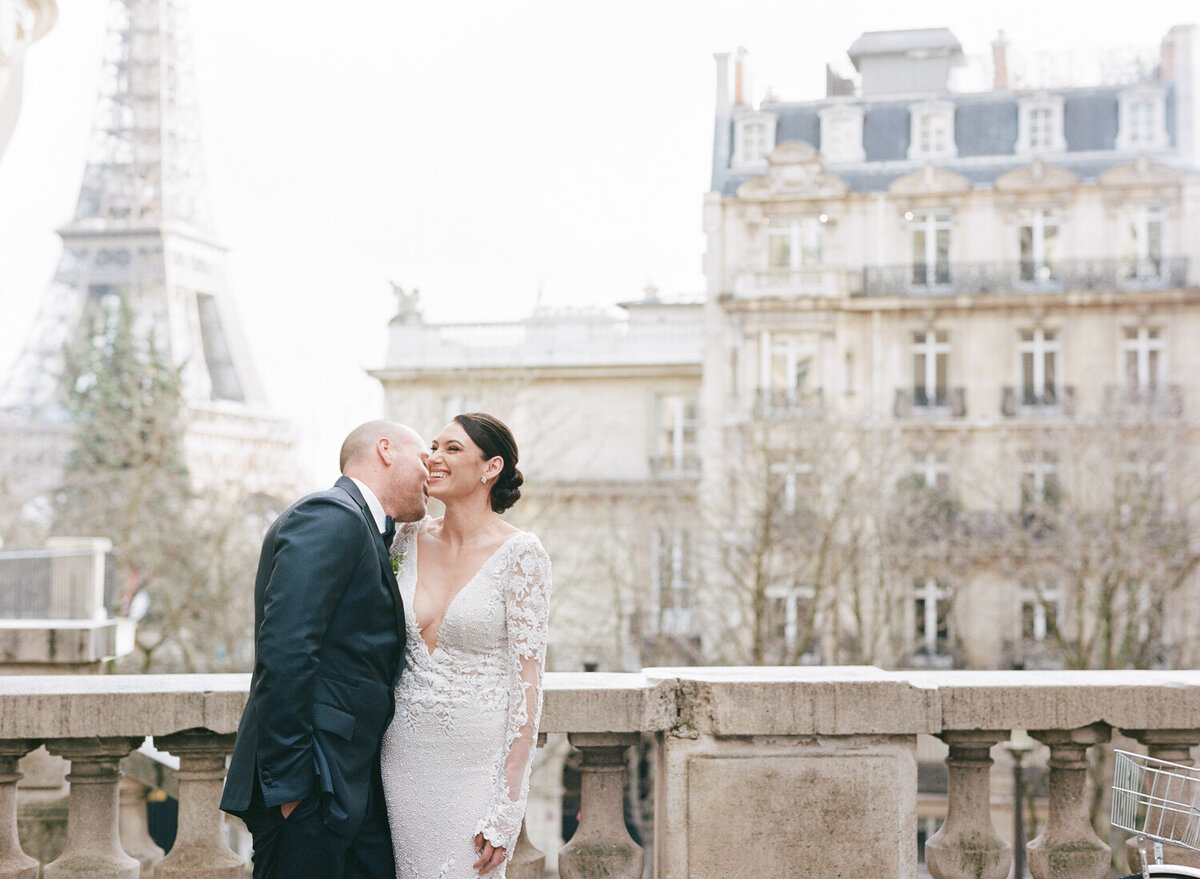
(991, 314)
(984, 296)
(603, 409)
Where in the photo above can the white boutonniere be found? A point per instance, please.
(397, 559)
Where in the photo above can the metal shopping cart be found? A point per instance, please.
(1160, 802)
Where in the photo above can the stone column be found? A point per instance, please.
(1068, 847)
(135, 827)
(1175, 746)
(14, 863)
(527, 861)
(200, 851)
(601, 845)
(967, 846)
(93, 840)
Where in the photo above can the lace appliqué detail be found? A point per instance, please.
(527, 614)
(457, 756)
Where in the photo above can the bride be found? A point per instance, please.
(456, 757)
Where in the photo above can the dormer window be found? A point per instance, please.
(841, 133)
(932, 135)
(753, 140)
(1142, 113)
(1040, 125)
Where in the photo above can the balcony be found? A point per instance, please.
(918, 403)
(812, 282)
(54, 605)
(970, 279)
(788, 403)
(1052, 402)
(683, 465)
(1132, 402)
(788, 759)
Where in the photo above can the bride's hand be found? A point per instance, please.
(490, 856)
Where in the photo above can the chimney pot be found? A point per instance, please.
(1000, 62)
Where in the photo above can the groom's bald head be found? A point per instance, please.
(389, 458)
(361, 442)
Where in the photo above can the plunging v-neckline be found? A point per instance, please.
(461, 589)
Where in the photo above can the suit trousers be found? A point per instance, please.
(301, 846)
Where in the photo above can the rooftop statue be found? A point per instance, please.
(22, 23)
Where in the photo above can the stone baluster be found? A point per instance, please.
(601, 845)
(200, 851)
(93, 838)
(527, 861)
(14, 863)
(1174, 745)
(135, 826)
(1068, 847)
(967, 846)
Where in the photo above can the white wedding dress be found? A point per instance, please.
(457, 754)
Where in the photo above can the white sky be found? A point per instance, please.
(477, 150)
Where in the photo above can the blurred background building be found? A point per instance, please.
(937, 408)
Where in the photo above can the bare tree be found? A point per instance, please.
(1104, 534)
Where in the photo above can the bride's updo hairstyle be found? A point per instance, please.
(495, 440)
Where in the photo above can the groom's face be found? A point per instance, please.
(407, 478)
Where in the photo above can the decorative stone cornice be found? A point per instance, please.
(795, 173)
(929, 181)
(1141, 172)
(1037, 176)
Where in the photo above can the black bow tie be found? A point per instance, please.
(389, 531)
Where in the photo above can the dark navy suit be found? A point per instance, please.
(329, 648)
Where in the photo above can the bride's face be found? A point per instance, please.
(456, 464)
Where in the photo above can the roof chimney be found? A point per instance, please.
(741, 77)
(1000, 62)
(1166, 67)
(722, 59)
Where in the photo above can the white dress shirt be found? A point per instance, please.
(373, 504)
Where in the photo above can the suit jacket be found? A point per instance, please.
(329, 647)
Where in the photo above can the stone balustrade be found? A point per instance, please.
(756, 772)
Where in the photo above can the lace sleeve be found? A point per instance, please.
(527, 612)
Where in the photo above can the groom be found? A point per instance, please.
(329, 647)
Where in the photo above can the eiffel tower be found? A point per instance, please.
(142, 225)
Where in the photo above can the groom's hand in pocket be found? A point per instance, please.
(490, 856)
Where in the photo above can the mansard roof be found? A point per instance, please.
(985, 134)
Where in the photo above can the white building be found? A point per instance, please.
(941, 326)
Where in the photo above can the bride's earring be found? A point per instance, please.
(483, 479)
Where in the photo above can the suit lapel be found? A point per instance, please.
(385, 563)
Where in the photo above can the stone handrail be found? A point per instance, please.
(762, 771)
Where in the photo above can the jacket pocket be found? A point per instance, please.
(333, 720)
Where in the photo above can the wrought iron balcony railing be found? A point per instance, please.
(1053, 400)
(958, 279)
(919, 403)
(1165, 401)
(788, 403)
